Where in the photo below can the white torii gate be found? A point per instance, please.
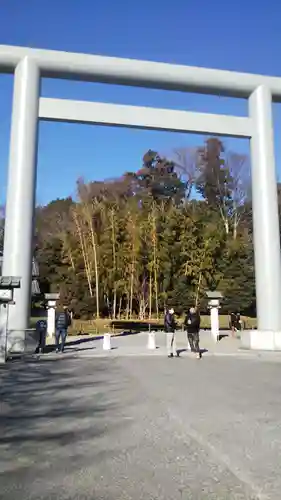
(30, 65)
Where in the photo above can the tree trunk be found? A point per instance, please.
(120, 306)
(84, 253)
(156, 294)
(155, 266)
(142, 307)
(235, 225)
(114, 304)
(67, 249)
(96, 274)
(198, 289)
(94, 245)
(131, 288)
(150, 294)
(200, 274)
(113, 240)
(127, 306)
(71, 260)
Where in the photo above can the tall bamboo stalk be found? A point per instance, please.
(113, 240)
(127, 305)
(120, 306)
(200, 274)
(150, 294)
(132, 286)
(155, 263)
(83, 249)
(89, 216)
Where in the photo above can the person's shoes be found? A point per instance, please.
(171, 355)
(57, 350)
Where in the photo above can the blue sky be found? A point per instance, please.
(241, 35)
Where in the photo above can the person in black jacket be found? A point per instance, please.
(192, 326)
(235, 323)
(170, 327)
(41, 329)
(63, 321)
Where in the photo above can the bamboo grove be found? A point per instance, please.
(163, 235)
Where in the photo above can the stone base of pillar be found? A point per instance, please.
(15, 342)
(261, 340)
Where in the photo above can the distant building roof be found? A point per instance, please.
(214, 294)
(35, 269)
(35, 289)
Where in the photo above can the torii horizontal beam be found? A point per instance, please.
(100, 113)
(95, 68)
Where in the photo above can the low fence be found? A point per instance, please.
(101, 326)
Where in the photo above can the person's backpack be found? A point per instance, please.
(68, 319)
(41, 325)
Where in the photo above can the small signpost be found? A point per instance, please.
(7, 286)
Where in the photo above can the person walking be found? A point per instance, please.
(170, 327)
(63, 321)
(192, 326)
(232, 323)
(235, 323)
(41, 330)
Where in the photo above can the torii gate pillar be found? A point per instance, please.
(265, 225)
(20, 205)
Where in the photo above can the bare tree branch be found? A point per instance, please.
(186, 161)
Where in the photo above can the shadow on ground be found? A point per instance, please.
(180, 351)
(48, 390)
(81, 342)
(51, 412)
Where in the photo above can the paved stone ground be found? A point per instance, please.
(136, 345)
(135, 427)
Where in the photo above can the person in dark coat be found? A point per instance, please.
(170, 327)
(63, 321)
(235, 323)
(232, 322)
(41, 329)
(192, 326)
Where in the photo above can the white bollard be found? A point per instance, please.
(215, 323)
(107, 342)
(151, 344)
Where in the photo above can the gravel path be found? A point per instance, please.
(140, 427)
